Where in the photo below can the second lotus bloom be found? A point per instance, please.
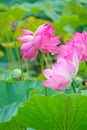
(77, 45)
(61, 74)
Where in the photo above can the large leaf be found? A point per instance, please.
(59, 112)
(17, 91)
(13, 93)
(17, 12)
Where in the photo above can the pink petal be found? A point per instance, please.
(60, 69)
(47, 29)
(26, 32)
(37, 41)
(34, 55)
(76, 62)
(47, 73)
(61, 82)
(25, 38)
(30, 54)
(54, 50)
(57, 82)
(26, 46)
(29, 51)
(71, 69)
(55, 40)
(49, 83)
(77, 36)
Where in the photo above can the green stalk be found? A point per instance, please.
(41, 62)
(12, 57)
(42, 68)
(73, 87)
(19, 60)
(49, 58)
(46, 60)
(8, 57)
(45, 91)
(27, 66)
(86, 63)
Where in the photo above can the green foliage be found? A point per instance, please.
(3, 8)
(1, 53)
(17, 12)
(82, 70)
(48, 113)
(13, 93)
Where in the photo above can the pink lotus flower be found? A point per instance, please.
(81, 40)
(41, 40)
(67, 50)
(61, 74)
(77, 45)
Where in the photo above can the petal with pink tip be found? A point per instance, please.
(60, 69)
(26, 46)
(49, 84)
(47, 73)
(31, 53)
(76, 62)
(77, 36)
(57, 82)
(26, 32)
(47, 29)
(25, 38)
(61, 82)
(37, 41)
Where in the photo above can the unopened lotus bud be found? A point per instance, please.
(13, 26)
